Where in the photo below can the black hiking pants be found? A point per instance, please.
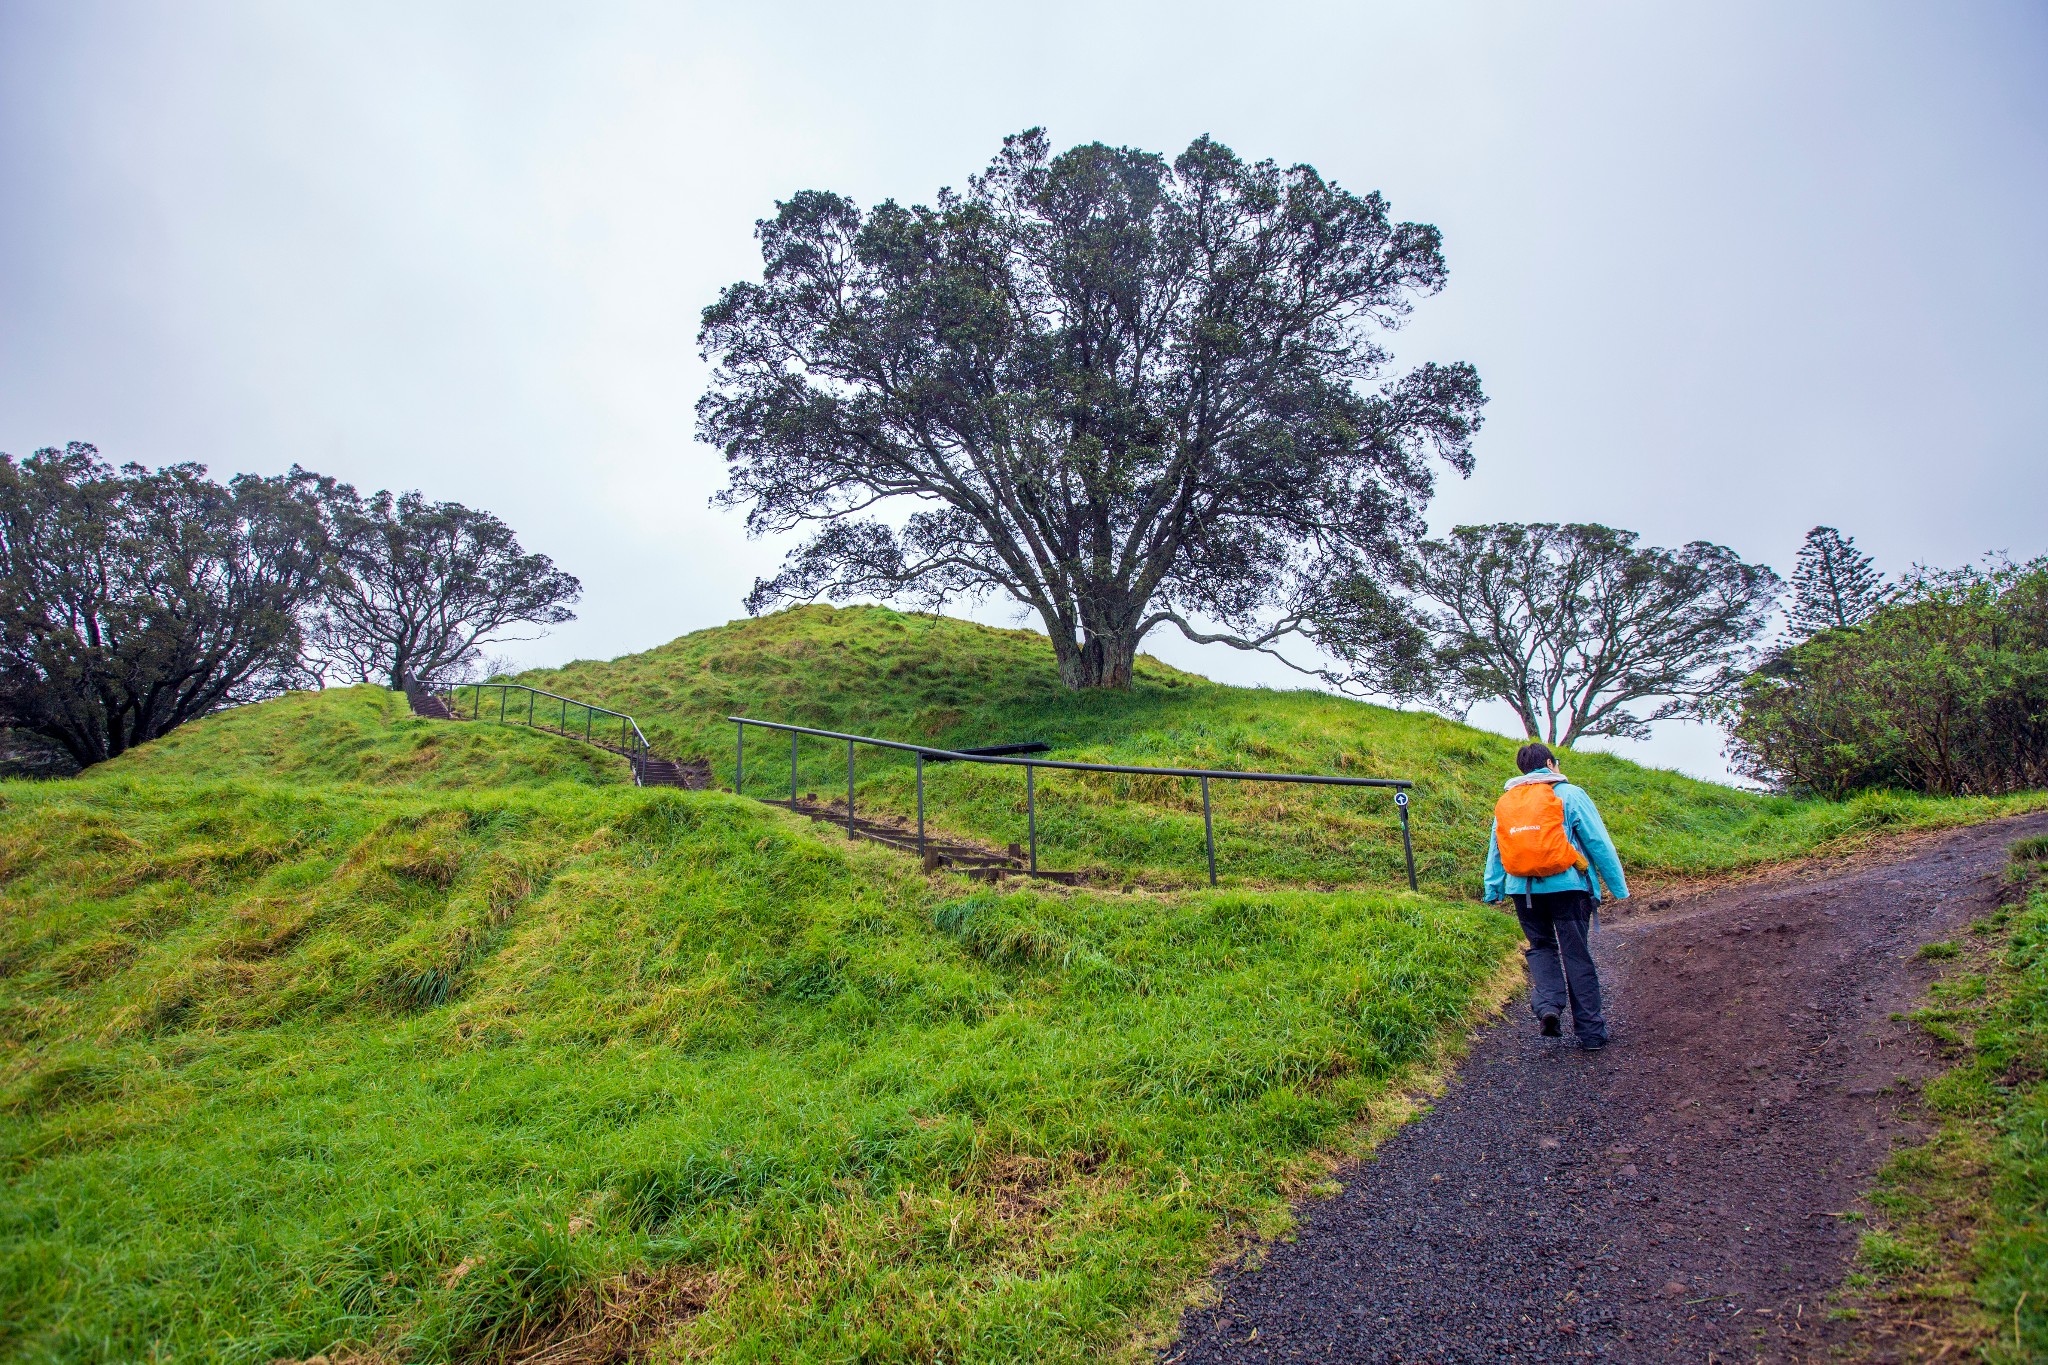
(1559, 927)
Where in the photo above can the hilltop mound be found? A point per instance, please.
(366, 735)
(870, 670)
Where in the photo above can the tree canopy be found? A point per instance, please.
(1124, 392)
(132, 601)
(417, 587)
(1833, 585)
(1572, 626)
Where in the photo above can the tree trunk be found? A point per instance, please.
(1104, 659)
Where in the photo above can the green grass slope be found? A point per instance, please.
(1957, 1254)
(368, 735)
(309, 1042)
(869, 670)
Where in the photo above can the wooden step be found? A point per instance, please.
(978, 864)
(654, 771)
(426, 704)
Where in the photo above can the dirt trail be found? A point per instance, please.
(1669, 1199)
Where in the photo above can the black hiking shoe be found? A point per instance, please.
(1591, 1044)
(1549, 1025)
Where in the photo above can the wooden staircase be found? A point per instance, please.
(652, 770)
(977, 862)
(649, 768)
(425, 703)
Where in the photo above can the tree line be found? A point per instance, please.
(134, 600)
(1937, 683)
(1127, 393)
(1132, 393)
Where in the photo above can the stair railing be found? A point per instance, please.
(1401, 785)
(627, 741)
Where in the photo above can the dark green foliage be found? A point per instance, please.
(1120, 391)
(133, 601)
(1834, 585)
(1944, 690)
(418, 588)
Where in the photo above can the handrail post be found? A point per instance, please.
(504, 697)
(1208, 832)
(1407, 843)
(739, 757)
(920, 804)
(792, 770)
(1031, 814)
(530, 694)
(588, 716)
(849, 789)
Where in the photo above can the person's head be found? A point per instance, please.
(1530, 757)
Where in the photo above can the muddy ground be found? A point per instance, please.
(1677, 1197)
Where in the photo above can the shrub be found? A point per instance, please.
(1943, 690)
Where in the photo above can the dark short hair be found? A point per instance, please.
(1530, 757)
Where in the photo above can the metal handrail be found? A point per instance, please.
(1401, 785)
(632, 743)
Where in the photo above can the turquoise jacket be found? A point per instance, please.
(1582, 826)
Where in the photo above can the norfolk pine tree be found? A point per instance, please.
(1833, 584)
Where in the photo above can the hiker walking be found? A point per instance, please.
(1550, 852)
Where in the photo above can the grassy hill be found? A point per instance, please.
(869, 670)
(327, 1029)
(364, 735)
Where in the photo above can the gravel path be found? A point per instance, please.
(1674, 1198)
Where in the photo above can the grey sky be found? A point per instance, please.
(1726, 270)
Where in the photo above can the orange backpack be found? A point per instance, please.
(1529, 826)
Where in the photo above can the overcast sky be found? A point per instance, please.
(1727, 270)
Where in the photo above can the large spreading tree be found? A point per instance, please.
(1581, 630)
(1124, 392)
(418, 588)
(134, 600)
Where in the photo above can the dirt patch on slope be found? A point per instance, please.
(1678, 1197)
